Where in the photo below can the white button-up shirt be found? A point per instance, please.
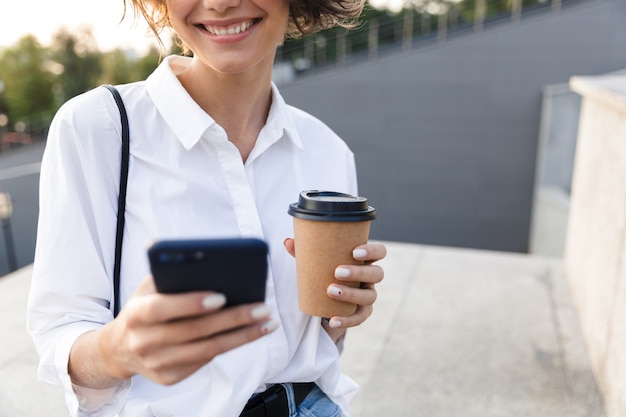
(186, 181)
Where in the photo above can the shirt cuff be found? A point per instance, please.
(101, 402)
(84, 402)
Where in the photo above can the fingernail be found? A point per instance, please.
(359, 253)
(334, 323)
(270, 326)
(335, 291)
(213, 301)
(342, 272)
(261, 311)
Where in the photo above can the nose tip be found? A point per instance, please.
(220, 5)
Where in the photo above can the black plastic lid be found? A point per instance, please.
(331, 206)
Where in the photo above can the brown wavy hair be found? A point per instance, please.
(306, 17)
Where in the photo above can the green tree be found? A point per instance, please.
(80, 60)
(144, 66)
(28, 81)
(117, 68)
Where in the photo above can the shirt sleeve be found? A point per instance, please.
(72, 286)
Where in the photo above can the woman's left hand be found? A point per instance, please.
(364, 296)
(368, 275)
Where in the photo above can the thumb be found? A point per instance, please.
(146, 286)
(290, 246)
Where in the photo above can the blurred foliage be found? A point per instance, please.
(119, 68)
(36, 80)
(79, 62)
(27, 79)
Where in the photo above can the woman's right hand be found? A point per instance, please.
(166, 338)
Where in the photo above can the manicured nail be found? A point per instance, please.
(359, 253)
(334, 323)
(270, 326)
(342, 272)
(213, 301)
(335, 291)
(261, 311)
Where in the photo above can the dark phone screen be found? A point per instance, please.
(235, 267)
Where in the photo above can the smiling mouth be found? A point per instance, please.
(230, 29)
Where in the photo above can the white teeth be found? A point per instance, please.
(229, 30)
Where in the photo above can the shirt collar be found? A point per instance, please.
(181, 113)
(189, 122)
(280, 120)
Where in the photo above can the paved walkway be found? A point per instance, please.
(456, 333)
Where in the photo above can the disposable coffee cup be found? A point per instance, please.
(328, 226)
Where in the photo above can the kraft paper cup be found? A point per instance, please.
(327, 227)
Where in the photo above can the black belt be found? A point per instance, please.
(273, 401)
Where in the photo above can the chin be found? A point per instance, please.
(238, 67)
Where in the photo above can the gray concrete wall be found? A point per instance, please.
(446, 135)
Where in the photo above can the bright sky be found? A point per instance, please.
(43, 18)
(395, 5)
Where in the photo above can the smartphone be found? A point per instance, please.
(235, 267)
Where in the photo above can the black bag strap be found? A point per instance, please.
(121, 201)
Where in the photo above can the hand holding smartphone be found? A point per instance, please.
(235, 267)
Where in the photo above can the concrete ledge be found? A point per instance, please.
(595, 254)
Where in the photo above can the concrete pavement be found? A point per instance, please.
(471, 333)
(20, 394)
(456, 332)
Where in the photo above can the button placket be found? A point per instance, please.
(240, 188)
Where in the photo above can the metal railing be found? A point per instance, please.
(436, 22)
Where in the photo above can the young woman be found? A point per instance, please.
(214, 152)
